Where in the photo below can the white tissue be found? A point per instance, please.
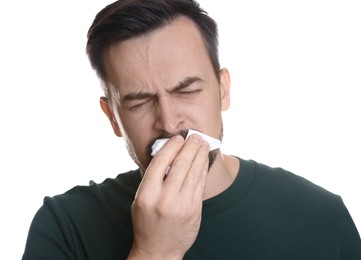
(213, 142)
(158, 144)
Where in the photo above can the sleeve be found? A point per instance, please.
(47, 237)
(350, 244)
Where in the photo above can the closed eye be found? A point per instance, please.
(139, 105)
(190, 92)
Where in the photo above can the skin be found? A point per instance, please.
(163, 84)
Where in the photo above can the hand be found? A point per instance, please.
(167, 212)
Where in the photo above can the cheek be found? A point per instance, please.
(133, 122)
(211, 104)
(139, 130)
(211, 114)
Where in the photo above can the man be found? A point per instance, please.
(158, 63)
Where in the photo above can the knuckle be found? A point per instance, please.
(159, 158)
(164, 209)
(180, 163)
(142, 203)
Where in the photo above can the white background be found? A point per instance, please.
(296, 79)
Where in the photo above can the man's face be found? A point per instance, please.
(164, 84)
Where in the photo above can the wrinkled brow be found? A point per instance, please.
(145, 95)
(185, 83)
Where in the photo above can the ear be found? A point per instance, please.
(104, 104)
(225, 85)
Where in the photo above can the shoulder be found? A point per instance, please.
(303, 201)
(94, 209)
(68, 225)
(108, 192)
(289, 192)
(276, 178)
(123, 186)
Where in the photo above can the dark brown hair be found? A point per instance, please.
(125, 19)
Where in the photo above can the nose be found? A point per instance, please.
(169, 117)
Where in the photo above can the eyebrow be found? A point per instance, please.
(185, 83)
(144, 95)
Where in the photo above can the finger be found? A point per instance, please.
(196, 174)
(199, 192)
(158, 166)
(183, 163)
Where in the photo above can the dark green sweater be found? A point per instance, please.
(267, 213)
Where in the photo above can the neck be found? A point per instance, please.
(221, 175)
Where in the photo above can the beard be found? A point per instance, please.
(143, 165)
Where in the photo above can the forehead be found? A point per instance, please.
(162, 57)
